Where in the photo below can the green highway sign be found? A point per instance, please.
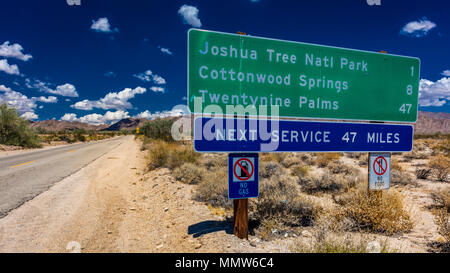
(303, 80)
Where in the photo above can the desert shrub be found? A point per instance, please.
(15, 130)
(216, 161)
(441, 167)
(279, 200)
(442, 220)
(181, 154)
(395, 164)
(189, 173)
(402, 178)
(370, 212)
(158, 129)
(290, 161)
(337, 167)
(423, 173)
(308, 159)
(363, 160)
(441, 198)
(214, 189)
(158, 154)
(354, 155)
(276, 157)
(323, 159)
(327, 183)
(268, 169)
(300, 171)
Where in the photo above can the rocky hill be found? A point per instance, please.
(431, 123)
(127, 123)
(60, 125)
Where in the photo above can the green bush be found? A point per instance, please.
(15, 130)
(158, 129)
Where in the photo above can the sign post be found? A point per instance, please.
(242, 184)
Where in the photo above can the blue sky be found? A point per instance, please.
(104, 60)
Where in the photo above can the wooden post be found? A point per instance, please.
(240, 228)
(240, 208)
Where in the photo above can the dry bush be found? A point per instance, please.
(268, 169)
(214, 189)
(402, 178)
(215, 161)
(277, 157)
(327, 183)
(354, 155)
(170, 155)
(442, 220)
(300, 171)
(363, 160)
(308, 159)
(290, 161)
(323, 159)
(423, 173)
(441, 167)
(279, 200)
(337, 167)
(441, 198)
(371, 213)
(189, 173)
(395, 164)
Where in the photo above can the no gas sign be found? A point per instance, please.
(242, 176)
(379, 171)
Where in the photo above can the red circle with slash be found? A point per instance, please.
(238, 164)
(377, 162)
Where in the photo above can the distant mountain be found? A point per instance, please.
(127, 123)
(60, 125)
(431, 123)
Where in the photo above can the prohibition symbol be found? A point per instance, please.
(380, 165)
(243, 164)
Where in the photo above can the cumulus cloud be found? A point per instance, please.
(29, 116)
(102, 25)
(96, 119)
(23, 104)
(418, 28)
(148, 76)
(190, 15)
(13, 51)
(446, 73)
(113, 100)
(65, 90)
(434, 93)
(177, 111)
(9, 69)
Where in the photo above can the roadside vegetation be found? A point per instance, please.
(15, 130)
(318, 197)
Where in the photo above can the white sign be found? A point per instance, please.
(379, 171)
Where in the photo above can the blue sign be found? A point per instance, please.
(261, 135)
(242, 176)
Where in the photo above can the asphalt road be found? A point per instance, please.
(26, 175)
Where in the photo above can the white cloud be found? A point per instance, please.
(9, 69)
(102, 25)
(29, 116)
(157, 89)
(65, 90)
(13, 51)
(108, 118)
(113, 100)
(446, 73)
(418, 28)
(148, 76)
(434, 93)
(20, 102)
(190, 15)
(177, 111)
(146, 114)
(165, 50)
